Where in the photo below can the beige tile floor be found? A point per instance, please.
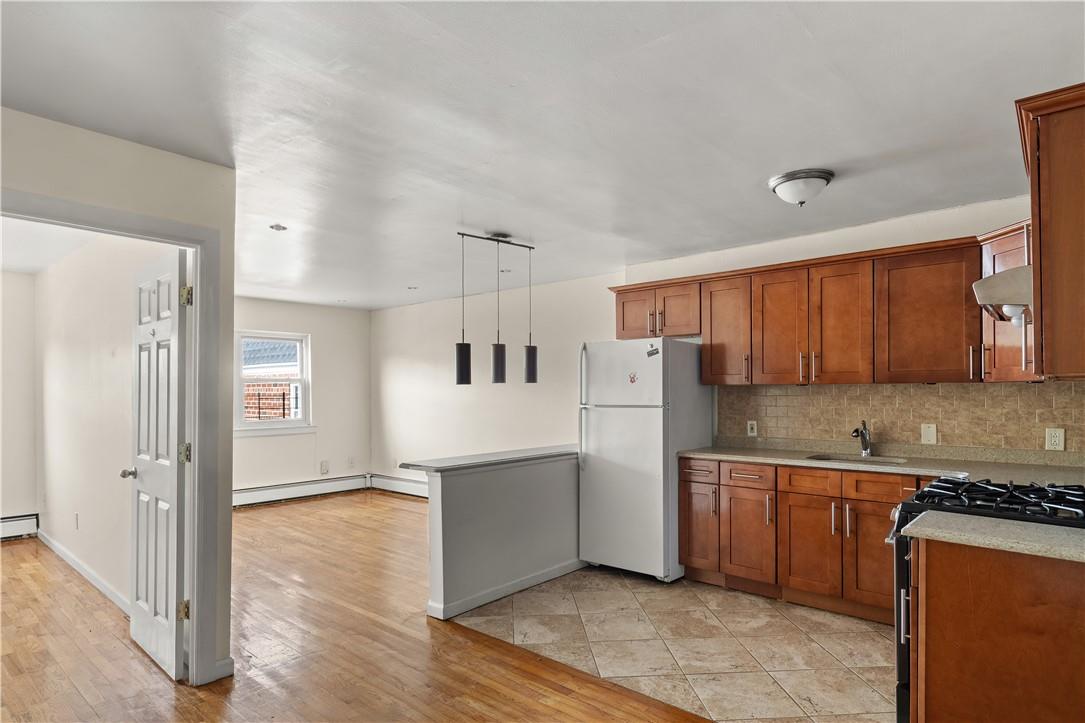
(719, 653)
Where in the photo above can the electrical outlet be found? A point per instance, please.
(350, 463)
(751, 428)
(323, 466)
(1055, 439)
(928, 433)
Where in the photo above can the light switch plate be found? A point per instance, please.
(1055, 439)
(323, 466)
(928, 433)
(751, 428)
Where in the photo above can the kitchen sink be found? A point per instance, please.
(858, 458)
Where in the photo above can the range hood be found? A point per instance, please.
(1006, 294)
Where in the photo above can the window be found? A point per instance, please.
(273, 380)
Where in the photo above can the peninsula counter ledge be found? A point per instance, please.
(1027, 538)
(499, 522)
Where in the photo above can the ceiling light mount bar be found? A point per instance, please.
(503, 239)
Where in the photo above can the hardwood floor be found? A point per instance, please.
(329, 623)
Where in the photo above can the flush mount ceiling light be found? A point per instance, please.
(277, 227)
(800, 186)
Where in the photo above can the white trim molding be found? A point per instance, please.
(293, 490)
(104, 587)
(451, 609)
(19, 525)
(417, 488)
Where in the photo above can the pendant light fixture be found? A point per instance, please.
(531, 352)
(497, 353)
(463, 349)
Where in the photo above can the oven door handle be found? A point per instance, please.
(905, 603)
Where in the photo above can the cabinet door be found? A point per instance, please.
(842, 323)
(725, 331)
(927, 321)
(781, 328)
(699, 525)
(1008, 354)
(868, 560)
(636, 314)
(678, 310)
(748, 533)
(810, 543)
(1058, 211)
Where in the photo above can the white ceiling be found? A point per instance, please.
(609, 133)
(30, 246)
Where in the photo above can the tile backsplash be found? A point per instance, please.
(1007, 416)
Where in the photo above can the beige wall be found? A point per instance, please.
(971, 220)
(339, 354)
(73, 166)
(419, 412)
(85, 366)
(18, 369)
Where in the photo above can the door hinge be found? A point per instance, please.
(182, 610)
(186, 296)
(184, 452)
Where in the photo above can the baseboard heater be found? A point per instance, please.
(18, 526)
(294, 490)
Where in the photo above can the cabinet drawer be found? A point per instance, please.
(808, 481)
(758, 476)
(878, 487)
(698, 470)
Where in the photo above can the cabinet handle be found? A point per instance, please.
(984, 350)
(1024, 344)
(832, 520)
(847, 520)
(696, 471)
(745, 367)
(801, 375)
(715, 502)
(741, 475)
(1028, 251)
(768, 510)
(813, 366)
(651, 323)
(659, 321)
(971, 365)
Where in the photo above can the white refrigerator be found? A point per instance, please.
(641, 401)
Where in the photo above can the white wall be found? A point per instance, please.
(98, 174)
(85, 313)
(418, 412)
(971, 220)
(18, 382)
(339, 353)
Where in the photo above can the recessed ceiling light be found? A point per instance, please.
(277, 227)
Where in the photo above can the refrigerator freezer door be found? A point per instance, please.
(623, 508)
(623, 373)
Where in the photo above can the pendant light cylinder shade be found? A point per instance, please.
(531, 364)
(497, 355)
(463, 363)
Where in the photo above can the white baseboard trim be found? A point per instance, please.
(19, 526)
(452, 609)
(418, 488)
(274, 493)
(65, 554)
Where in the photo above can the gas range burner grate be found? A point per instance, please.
(1063, 504)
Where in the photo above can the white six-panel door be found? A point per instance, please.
(157, 485)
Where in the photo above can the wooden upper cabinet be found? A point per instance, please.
(678, 310)
(748, 533)
(1053, 136)
(810, 543)
(699, 525)
(927, 322)
(725, 331)
(868, 560)
(1008, 351)
(636, 314)
(780, 326)
(842, 323)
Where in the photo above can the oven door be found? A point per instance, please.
(902, 573)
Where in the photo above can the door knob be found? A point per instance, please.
(126, 473)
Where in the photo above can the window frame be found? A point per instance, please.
(303, 424)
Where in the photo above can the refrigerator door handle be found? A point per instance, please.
(582, 371)
(580, 436)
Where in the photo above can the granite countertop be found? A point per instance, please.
(1027, 538)
(919, 466)
(487, 459)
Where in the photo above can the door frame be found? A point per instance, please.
(207, 535)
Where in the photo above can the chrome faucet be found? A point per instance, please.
(863, 435)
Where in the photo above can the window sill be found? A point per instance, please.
(274, 431)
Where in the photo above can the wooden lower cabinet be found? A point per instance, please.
(748, 533)
(810, 543)
(699, 525)
(868, 560)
